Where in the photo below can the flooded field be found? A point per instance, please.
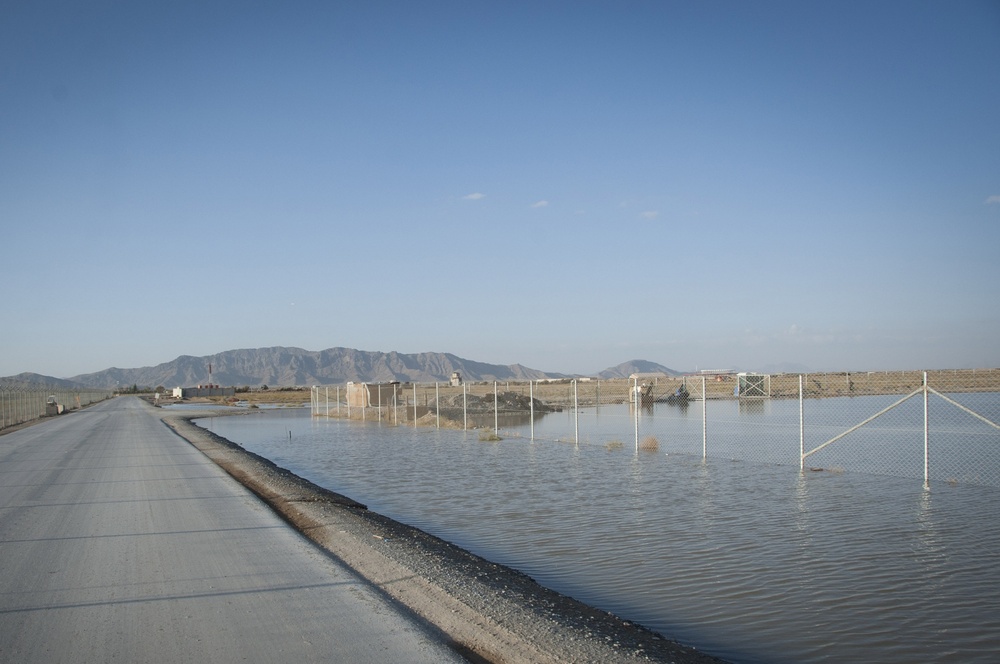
(750, 561)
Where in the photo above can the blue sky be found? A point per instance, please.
(566, 185)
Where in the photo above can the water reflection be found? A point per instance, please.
(503, 420)
(753, 563)
(753, 406)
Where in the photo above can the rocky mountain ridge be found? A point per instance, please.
(287, 366)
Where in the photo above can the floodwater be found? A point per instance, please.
(748, 561)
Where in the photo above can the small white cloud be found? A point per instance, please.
(993, 199)
(539, 204)
(650, 214)
(473, 197)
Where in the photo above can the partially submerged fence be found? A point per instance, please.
(938, 425)
(24, 403)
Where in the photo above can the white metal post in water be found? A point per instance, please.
(926, 464)
(338, 401)
(465, 407)
(437, 404)
(380, 403)
(704, 420)
(414, 405)
(576, 414)
(531, 401)
(802, 430)
(496, 411)
(328, 402)
(635, 403)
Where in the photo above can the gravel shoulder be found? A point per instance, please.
(488, 612)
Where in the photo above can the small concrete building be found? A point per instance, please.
(53, 407)
(456, 379)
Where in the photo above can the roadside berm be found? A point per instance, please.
(487, 612)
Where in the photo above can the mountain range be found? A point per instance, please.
(281, 366)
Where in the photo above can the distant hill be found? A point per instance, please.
(626, 369)
(281, 366)
(33, 380)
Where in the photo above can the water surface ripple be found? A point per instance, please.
(749, 562)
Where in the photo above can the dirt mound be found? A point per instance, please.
(505, 402)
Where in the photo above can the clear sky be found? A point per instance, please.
(565, 185)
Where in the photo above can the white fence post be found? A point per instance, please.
(635, 404)
(926, 436)
(576, 414)
(704, 420)
(531, 401)
(802, 430)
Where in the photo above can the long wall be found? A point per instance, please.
(186, 392)
(19, 404)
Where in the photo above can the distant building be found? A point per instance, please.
(646, 376)
(456, 379)
(718, 375)
(753, 385)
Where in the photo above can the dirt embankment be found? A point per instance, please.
(487, 612)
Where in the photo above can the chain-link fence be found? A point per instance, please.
(935, 425)
(24, 403)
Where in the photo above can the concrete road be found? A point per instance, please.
(119, 542)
